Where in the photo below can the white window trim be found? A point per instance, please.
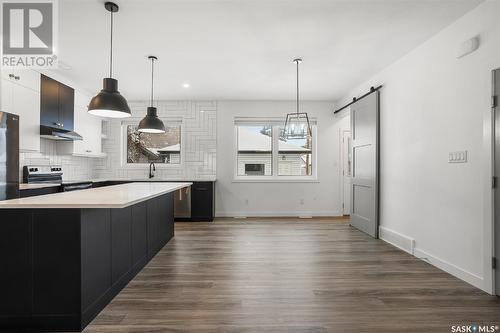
(135, 166)
(274, 178)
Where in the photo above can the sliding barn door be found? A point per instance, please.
(364, 152)
(496, 110)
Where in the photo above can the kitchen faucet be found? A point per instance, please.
(152, 171)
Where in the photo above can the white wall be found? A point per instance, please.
(432, 104)
(278, 199)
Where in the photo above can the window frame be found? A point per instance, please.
(135, 122)
(274, 177)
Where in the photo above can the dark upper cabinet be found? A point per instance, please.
(66, 106)
(57, 102)
(49, 101)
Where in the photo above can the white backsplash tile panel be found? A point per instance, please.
(74, 168)
(199, 142)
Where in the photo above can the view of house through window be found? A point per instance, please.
(255, 152)
(295, 157)
(158, 148)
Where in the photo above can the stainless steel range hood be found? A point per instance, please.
(53, 133)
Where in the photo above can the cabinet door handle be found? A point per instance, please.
(11, 75)
(88, 151)
(16, 78)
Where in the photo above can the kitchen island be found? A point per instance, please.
(66, 255)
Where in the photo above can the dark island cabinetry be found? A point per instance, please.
(61, 267)
(202, 201)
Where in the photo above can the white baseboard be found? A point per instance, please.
(407, 244)
(454, 270)
(401, 241)
(278, 213)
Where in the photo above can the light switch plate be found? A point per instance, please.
(457, 156)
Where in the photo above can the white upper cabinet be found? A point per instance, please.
(88, 126)
(21, 96)
(23, 77)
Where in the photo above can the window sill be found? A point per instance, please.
(283, 179)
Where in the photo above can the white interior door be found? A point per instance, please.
(346, 172)
(364, 152)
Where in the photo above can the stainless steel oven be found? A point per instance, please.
(182, 203)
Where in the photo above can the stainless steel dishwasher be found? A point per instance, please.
(182, 203)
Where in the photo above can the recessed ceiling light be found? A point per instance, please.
(186, 85)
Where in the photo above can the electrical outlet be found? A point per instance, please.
(301, 201)
(457, 156)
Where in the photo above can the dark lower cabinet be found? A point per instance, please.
(39, 191)
(121, 243)
(61, 267)
(96, 257)
(140, 233)
(16, 250)
(56, 263)
(202, 201)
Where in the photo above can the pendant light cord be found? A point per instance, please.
(297, 62)
(111, 49)
(152, 76)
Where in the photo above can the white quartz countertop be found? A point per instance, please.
(116, 196)
(97, 180)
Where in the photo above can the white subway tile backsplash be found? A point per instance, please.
(74, 167)
(199, 145)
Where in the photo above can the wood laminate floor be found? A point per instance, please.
(290, 275)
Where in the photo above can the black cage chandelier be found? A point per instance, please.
(297, 124)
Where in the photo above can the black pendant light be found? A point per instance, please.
(151, 123)
(297, 124)
(108, 102)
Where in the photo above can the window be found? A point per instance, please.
(254, 149)
(262, 153)
(295, 157)
(254, 169)
(144, 148)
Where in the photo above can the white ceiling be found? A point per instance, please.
(242, 49)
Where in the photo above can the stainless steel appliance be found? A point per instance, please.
(9, 156)
(37, 174)
(182, 203)
(76, 186)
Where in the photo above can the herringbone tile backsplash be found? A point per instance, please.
(199, 142)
